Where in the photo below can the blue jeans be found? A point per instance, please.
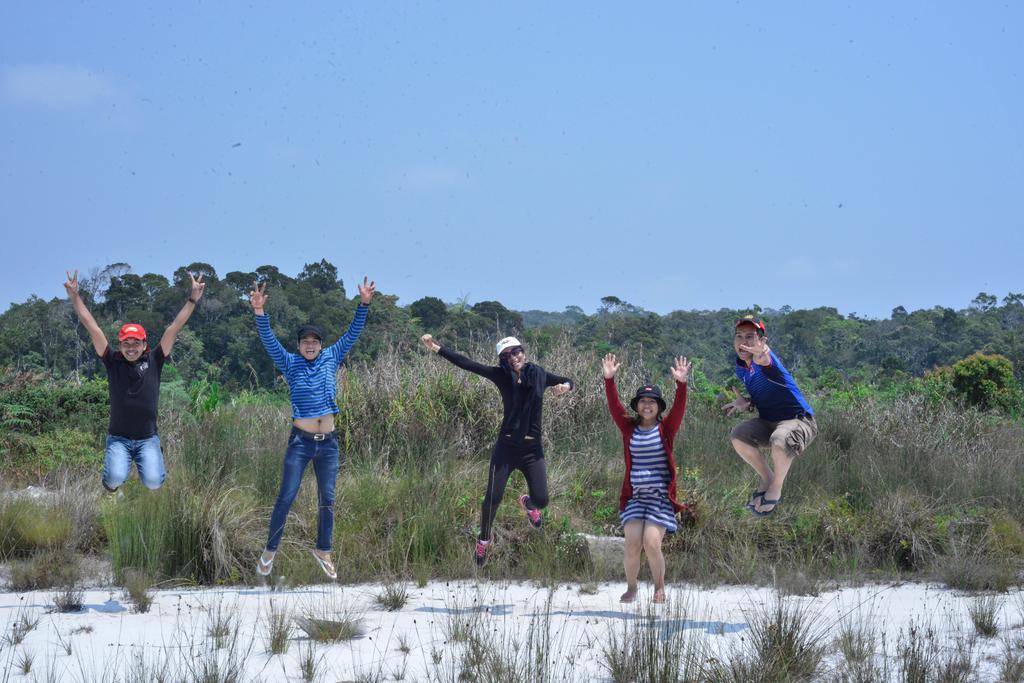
(324, 456)
(147, 455)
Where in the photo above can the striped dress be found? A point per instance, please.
(649, 477)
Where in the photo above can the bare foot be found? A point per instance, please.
(628, 596)
(659, 595)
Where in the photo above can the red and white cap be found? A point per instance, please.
(751, 320)
(506, 343)
(131, 331)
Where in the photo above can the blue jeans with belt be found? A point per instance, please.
(323, 453)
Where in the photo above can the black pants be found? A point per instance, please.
(528, 458)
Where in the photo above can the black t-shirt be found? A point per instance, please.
(134, 392)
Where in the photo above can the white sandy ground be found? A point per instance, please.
(174, 634)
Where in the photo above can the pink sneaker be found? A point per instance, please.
(532, 516)
(481, 552)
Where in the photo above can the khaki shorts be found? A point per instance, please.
(794, 435)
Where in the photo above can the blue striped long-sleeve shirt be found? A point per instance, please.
(312, 383)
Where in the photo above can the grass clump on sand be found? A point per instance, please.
(45, 569)
(138, 588)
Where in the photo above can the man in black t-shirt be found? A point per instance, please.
(133, 379)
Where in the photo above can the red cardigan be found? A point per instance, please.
(668, 427)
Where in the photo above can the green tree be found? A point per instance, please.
(430, 311)
(984, 302)
(504, 320)
(322, 276)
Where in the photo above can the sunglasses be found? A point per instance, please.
(515, 351)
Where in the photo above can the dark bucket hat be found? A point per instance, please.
(649, 391)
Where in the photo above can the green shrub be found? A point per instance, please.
(983, 381)
(202, 533)
(28, 525)
(45, 569)
(65, 449)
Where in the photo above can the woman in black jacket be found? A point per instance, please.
(518, 447)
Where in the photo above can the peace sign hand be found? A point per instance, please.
(72, 283)
(759, 350)
(681, 369)
(610, 365)
(366, 291)
(197, 287)
(258, 297)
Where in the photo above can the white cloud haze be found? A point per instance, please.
(54, 86)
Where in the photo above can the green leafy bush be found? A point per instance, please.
(982, 381)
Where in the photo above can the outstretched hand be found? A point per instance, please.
(681, 369)
(759, 350)
(366, 290)
(72, 283)
(197, 287)
(737, 405)
(610, 365)
(428, 341)
(559, 389)
(258, 296)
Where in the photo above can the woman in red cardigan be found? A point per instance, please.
(647, 503)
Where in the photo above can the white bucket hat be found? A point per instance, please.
(506, 343)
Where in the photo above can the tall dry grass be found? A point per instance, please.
(891, 486)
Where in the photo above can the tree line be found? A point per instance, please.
(220, 343)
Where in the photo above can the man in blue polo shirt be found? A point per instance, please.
(785, 421)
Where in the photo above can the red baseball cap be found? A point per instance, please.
(131, 331)
(750, 320)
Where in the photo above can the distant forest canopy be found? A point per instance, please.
(220, 342)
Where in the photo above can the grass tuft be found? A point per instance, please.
(278, 629)
(68, 599)
(393, 597)
(786, 643)
(654, 647)
(310, 662)
(984, 613)
(138, 587)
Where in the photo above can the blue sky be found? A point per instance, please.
(675, 155)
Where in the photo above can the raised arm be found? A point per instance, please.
(610, 367)
(681, 374)
(171, 333)
(489, 371)
(99, 340)
(257, 299)
(347, 340)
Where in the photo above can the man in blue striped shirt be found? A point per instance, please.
(312, 381)
(785, 421)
